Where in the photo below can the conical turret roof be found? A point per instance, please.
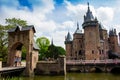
(89, 16)
(78, 31)
(68, 38)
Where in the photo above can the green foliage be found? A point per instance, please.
(14, 21)
(3, 43)
(4, 36)
(61, 50)
(43, 43)
(24, 51)
(47, 50)
(52, 52)
(55, 51)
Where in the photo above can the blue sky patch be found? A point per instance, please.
(26, 3)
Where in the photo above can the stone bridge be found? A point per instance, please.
(108, 65)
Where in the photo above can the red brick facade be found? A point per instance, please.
(94, 43)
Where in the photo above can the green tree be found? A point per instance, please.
(43, 43)
(14, 21)
(4, 36)
(3, 43)
(61, 50)
(55, 51)
(52, 52)
(24, 51)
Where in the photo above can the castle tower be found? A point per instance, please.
(113, 40)
(78, 44)
(68, 46)
(104, 47)
(92, 38)
(119, 37)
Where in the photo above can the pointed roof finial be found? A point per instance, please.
(68, 38)
(77, 25)
(89, 16)
(88, 6)
(96, 18)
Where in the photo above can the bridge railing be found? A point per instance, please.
(93, 61)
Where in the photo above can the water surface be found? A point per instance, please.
(74, 76)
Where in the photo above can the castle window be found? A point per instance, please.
(75, 52)
(102, 51)
(92, 51)
(80, 52)
(99, 51)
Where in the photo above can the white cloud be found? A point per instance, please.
(59, 38)
(78, 11)
(48, 26)
(105, 14)
(37, 17)
(47, 6)
(67, 25)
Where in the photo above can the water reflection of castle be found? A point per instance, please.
(94, 43)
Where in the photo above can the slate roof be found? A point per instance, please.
(22, 28)
(78, 31)
(89, 16)
(68, 38)
(112, 32)
(101, 26)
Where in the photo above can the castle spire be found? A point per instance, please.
(89, 15)
(78, 31)
(89, 18)
(68, 38)
(88, 6)
(77, 25)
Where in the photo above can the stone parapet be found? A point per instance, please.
(56, 67)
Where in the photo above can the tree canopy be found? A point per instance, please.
(55, 51)
(43, 43)
(47, 50)
(4, 36)
(3, 43)
(14, 21)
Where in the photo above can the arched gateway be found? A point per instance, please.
(18, 37)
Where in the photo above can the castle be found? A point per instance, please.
(94, 43)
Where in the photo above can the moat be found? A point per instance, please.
(74, 76)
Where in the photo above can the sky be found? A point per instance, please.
(54, 18)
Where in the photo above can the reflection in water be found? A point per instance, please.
(74, 76)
